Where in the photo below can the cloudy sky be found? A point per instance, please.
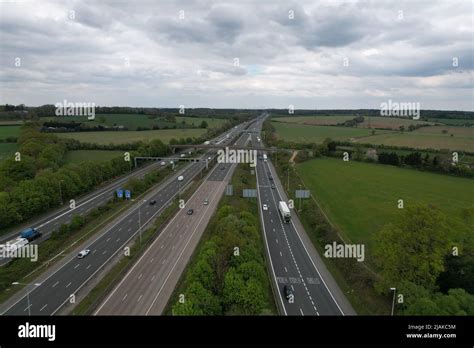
(243, 54)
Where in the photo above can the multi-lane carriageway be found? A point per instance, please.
(148, 286)
(292, 259)
(55, 290)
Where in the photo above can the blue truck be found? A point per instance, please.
(30, 234)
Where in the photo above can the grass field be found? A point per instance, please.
(372, 122)
(91, 156)
(314, 120)
(422, 140)
(453, 121)
(7, 149)
(10, 123)
(132, 121)
(212, 122)
(360, 198)
(126, 137)
(307, 134)
(9, 131)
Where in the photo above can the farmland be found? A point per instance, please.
(91, 156)
(196, 121)
(118, 137)
(307, 134)
(360, 198)
(134, 121)
(9, 131)
(369, 122)
(7, 149)
(422, 139)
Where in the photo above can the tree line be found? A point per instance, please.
(221, 282)
(40, 180)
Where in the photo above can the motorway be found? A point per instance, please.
(56, 289)
(47, 224)
(147, 287)
(292, 258)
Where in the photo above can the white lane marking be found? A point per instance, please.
(54, 285)
(123, 299)
(43, 307)
(27, 308)
(139, 298)
(104, 252)
(153, 278)
(281, 254)
(309, 256)
(286, 270)
(107, 239)
(139, 277)
(68, 284)
(88, 267)
(76, 266)
(301, 311)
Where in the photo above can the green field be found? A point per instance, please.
(421, 139)
(7, 149)
(9, 131)
(360, 198)
(306, 134)
(212, 122)
(79, 156)
(314, 120)
(117, 137)
(132, 121)
(453, 121)
(372, 122)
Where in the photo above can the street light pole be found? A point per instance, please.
(27, 294)
(393, 301)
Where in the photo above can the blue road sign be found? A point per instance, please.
(128, 194)
(120, 193)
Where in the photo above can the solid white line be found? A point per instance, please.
(146, 251)
(277, 289)
(316, 268)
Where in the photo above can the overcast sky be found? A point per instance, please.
(242, 54)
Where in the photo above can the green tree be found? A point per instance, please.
(412, 248)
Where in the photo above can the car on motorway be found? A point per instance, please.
(288, 292)
(152, 202)
(163, 163)
(182, 155)
(206, 202)
(190, 212)
(265, 207)
(83, 253)
(222, 167)
(272, 185)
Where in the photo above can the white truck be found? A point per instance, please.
(265, 157)
(284, 211)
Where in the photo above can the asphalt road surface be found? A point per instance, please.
(51, 222)
(147, 287)
(55, 291)
(289, 250)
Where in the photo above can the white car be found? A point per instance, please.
(83, 253)
(265, 207)
(182, 155)
(163, 163)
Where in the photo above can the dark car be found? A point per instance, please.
(190, 212)
(288, 292)
(273, 185)
(152, 202)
